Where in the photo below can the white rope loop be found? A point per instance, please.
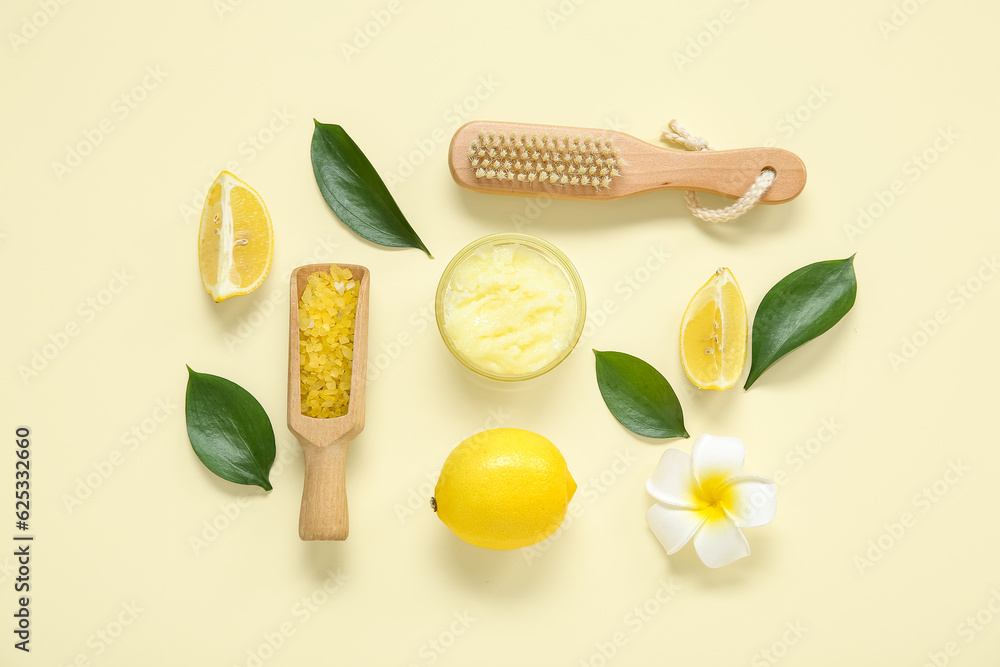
(676, 134)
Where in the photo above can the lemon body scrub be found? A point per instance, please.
(510, 306)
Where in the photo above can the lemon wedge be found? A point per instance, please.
(235, 240)
(714, 333)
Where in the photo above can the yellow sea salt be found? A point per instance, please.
(326, 342)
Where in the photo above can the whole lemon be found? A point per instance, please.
(505, 488)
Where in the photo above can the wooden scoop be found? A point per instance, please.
(323, 515)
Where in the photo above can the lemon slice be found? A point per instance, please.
(714, 333)
(235, 240)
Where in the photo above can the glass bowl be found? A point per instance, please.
(548, 252)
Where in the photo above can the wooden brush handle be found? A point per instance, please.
(728, 173)
(323, 515)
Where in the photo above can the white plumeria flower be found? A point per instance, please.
(706, 496)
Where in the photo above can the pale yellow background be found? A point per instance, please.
(868, 99)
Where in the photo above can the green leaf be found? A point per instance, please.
(356, 193)
(229, 430)
(638, 396)
(803, 305)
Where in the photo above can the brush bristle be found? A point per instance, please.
(559, 160)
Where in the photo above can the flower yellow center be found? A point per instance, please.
(714, 496)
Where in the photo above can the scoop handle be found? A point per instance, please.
(323, 515)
